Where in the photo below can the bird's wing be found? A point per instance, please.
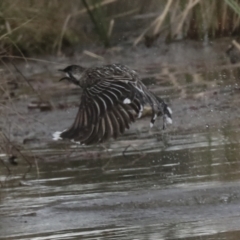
(112, 99)
(107, 108)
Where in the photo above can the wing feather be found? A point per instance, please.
(113, 100)
(101, 130)
(108, 127)
(115, 125)
(119, 118)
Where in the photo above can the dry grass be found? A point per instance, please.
(197, 19)
(40, 27)
(44, 26)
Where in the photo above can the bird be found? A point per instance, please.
(113, 97)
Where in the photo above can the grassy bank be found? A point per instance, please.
(55, 26)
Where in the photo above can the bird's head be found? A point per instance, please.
(73, 74)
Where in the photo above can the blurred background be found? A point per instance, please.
(180, 183)
(63, 27)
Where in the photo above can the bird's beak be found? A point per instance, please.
(64, 78)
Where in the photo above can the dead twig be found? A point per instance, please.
(157, 23)
(5, 55)
(236, 44)
(141, 154)
(29, 84)
(6, 166)
(7, 33)
(8, 170)
(59, 51)
(110, 157)
(19, 152)
(93, 55)
(185, 13)
(110, 29)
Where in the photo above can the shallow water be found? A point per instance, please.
(188, 188)
(182, 183)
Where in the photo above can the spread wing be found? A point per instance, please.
(112, 99)
(107, 108)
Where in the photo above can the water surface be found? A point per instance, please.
(182, 183)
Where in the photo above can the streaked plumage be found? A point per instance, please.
(113, 97)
